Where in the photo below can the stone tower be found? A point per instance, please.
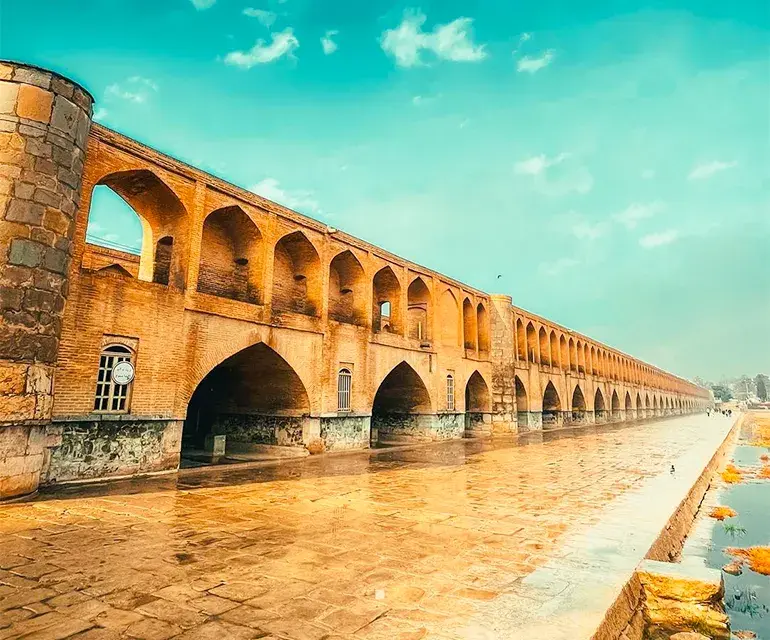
(44, 125)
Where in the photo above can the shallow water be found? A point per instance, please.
(747, 596)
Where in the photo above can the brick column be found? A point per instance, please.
(44, 125)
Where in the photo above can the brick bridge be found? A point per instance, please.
(245, 319)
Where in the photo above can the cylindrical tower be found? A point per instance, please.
(44, 125)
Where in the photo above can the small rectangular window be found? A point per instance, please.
(111, 397)
(344, 383)
(450, 393)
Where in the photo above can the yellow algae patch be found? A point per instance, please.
(757, 557)
(720, 513)
(732, 474)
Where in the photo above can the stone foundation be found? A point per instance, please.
(103, 448)
(529, 421)
(286, 431)
(419, 427)
(345, 432)
(480, 425)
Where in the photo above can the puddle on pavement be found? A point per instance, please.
(747, 596)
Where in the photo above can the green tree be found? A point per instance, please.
(721, 392)
(761, 387)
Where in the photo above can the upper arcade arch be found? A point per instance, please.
(347, 289)
(419, 310)
(449, 314)
(386, 302)
(296, 276)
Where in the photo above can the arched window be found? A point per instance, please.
(112, 397)
(450, 393)
(344, 382)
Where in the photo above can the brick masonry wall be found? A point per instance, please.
(44, 127)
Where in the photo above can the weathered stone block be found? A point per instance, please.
(25, 212)
(65, 116)
(34, 103)
(36, 77)
(13, 379)
(9, 93)
(55, 260)
(11, 298)
(26, 253)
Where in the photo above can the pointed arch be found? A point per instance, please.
(578, 405)
(600, 409)
(586, 360)
(231, 256)
(572, 356)
(581, 361)
(160, 214)
(477, 398)
(564, 351)
(553, 343)
(521, 341)
(522, 401)
(545, 351)
(402, 407)
(243, 396)
(449, 318)
(552, 415)
(629, 406)
(482, 326)
(531, 342)
(594, 367)
(418, 310)
(615, 405)
(386, 302)
(639, 407)
(347, 289)
(470, 336)
(296, 276)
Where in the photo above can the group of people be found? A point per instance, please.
(724, 412)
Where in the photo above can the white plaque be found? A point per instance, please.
(123, 372)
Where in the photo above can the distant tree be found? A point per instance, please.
(721, 392)
(701, 382)
(761, 387)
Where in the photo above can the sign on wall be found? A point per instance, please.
(123, 372)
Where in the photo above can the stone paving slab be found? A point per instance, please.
(467, 539)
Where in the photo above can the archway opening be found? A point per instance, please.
(252, 398)
(545, 350)
(521, 341)
(347, 289)
(555, 353)
(477, 403)
(296, 276)
(581, 357)
(418, 311)
(639, 407)
(231, 255)
(470, 336)
(449, 319)
(552, 416)
(564, 353)
(600, 409)
(386, 307)
(578, 405)
(482, 326)
(129, 213)
(402, 409)
(531, 343)
(629, 407)
(615, 405)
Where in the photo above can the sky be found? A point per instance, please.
(609, 161)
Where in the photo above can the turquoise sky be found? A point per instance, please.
(608, 159)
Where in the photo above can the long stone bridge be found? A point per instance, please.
(245, 319)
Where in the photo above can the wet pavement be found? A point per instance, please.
(391, 544)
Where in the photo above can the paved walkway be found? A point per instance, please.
(410, 544)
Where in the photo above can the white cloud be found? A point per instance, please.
(452, 41)
(588, 231)
(100, 113)
(636, 212)
(282, 44)
(554, 178)
(267, 18)
(135, 89)
(419, 101)
(538, 164)
(658, 239)
(648, 174)
(302, 201)
(558, 266)
(200, 5)
(524, 37)
(708, 169)
(328, 45)
(533, 64)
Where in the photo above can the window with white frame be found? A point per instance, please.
(111, 397)
(344, 382)
(450, 393)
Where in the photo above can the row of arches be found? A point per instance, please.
(552, 348)
(604, 409)
(256, 397)
(233, 264)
